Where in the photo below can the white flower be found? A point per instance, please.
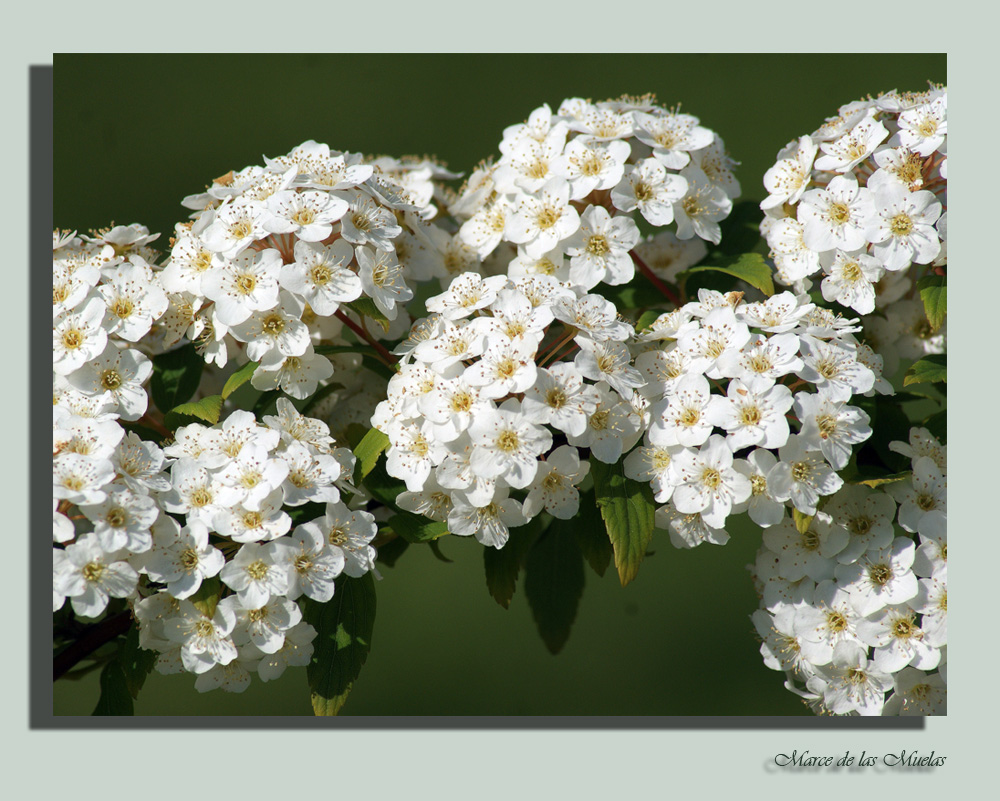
(296, 375)
(923, 129)
(490, 522)
(312, 564)
(611, 427)
(244, 285)
(278, 330)
(881, 577)
(554, 487)
(706, 483)
(917, 693)
(78, 336)
(321, 275)
(382, 279)
(559, 398)
(264, 626)
(182, 558)
(802, 476)
(902, 228)
(133, 301)
(682, 419)
(672, 136)
(830, 427)
(702, 206)
(235, 226)
(752, 417)
(836, 217)
(81, 479)
(506, 445)
(787, 180)
(898, 640)
(352, 533)
(610, 362)
(88, 576)
(121, 372)
(541, 221)
(308, 215)
(122, 520)
(256, 573)
(810, 553)
(204, 642)
(599, 250)
(854, 683)
(367, 223)
(851, 281)
(650, 189)
(310, 476)
(847, 152)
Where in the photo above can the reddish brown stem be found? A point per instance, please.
(387, 357)
(666, 291)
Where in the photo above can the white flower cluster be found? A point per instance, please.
(568, 186)
(862, 198)
(853, 609)
(485, 393)
(149, 524)
(719, 377)
(273, 253)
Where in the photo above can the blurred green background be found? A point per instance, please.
(136, 133)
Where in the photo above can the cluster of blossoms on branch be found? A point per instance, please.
(860, 197)
(854, 608)
(527, 379)
(569, 189)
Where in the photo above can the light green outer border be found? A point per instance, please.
(503, 764)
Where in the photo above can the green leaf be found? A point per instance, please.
(627, 508)
(389, 553)
(115, 698)
(932, 368)
(176, 376)
(503, 565)
(136, 662)
(802, 521)
(207, 410)
(646, 319)
(366, 308)
(383, 487)
(591, 535)
(238, 379)
(741, 229)
(344, 626)
(937, 424)
(414, 528)
(266, 402)
(748, 267)
(880, 480)
(206, 598)
(934, 294)
(367, 452)
(553, 584)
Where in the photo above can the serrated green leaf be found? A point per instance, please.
(553, 585)
(206, 410)
(238, 379)
(329, 707)
(344, 627)
(176, 376)
(366, 308)
(932, 368)
(627, 508)
(591, 534)
(802, 521)
(414, 528)
(503, 565)
(207, 596)
(934, 293)
(372, 444)
(748, 267)
(115, 698)
(136, 662)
